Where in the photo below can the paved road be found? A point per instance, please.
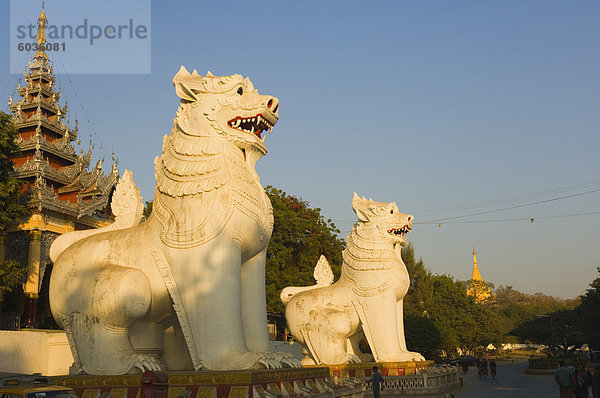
(511, 382)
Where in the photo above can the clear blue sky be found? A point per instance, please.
(446, 107)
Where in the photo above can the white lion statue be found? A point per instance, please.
(185, 289)
(330, 318)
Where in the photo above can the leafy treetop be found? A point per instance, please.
(300, 236)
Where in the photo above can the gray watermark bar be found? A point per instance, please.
(81, 37)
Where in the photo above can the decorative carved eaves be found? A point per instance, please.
(59, 127)
(61, 147)
(41, 167)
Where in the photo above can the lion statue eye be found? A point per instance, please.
(392, 211)
(240, 91)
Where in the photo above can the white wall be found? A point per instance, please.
(35, 351)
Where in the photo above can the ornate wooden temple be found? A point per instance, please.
(59, 188)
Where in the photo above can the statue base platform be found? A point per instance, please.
(364, 369)
(260, 383)
(401, 378)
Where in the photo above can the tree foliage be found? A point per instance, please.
(11, 273)
(422, 335)
(300, 236)
(420, 294)
(463, 323)
(565, 328)
(147, 209)
(558, 330)
(10, 187)
(589, 314)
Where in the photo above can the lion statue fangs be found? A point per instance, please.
(329, 318)
(139, 296)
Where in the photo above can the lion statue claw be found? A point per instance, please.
(330, 318)
(184, 289)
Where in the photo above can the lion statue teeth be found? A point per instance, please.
(330, 319)
(183, 290)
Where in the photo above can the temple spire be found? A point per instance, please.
(42, 21)
(476, 274)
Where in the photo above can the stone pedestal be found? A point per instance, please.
(258, 383)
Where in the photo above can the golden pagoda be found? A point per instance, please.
(58, 188)
(477, 286)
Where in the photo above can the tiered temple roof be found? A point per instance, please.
(56, 177)
(58, 187)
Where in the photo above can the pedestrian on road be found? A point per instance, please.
(583, 381)
(485, 366)
(377, 381)
(565, 380)
(493, 368)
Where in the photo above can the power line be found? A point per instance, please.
(530, 219)
(511, 207)
(92, 128)
(11, 80)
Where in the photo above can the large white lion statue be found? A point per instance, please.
(184, 289)
(329, 319)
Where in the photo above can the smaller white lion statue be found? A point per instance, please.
(330, 318)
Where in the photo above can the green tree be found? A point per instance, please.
(461, 321)
(147, 209)
(516, 308)
(422, 335)
(419, 296)
(589, 313)
(10, 187)
(558, 330)
(300, 236)
(11, 273)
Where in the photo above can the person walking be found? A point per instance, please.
(377, 382)
(565, 380)
(583, 380)
(493, 368)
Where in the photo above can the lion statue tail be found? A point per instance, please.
(322, 274)
(126, 205)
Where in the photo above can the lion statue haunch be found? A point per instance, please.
(329, 319)
(185, 289)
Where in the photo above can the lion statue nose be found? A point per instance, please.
(273, 104)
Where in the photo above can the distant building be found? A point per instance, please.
(477, 286)
(59, 190)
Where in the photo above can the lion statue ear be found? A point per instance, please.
(187, 86)
(360, 207)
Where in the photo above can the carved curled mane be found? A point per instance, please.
(367, 252)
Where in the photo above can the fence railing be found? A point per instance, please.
(428, 381)
(10, 321)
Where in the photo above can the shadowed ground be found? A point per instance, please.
(511, 382)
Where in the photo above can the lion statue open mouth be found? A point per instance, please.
(183, 290)
(330, 318)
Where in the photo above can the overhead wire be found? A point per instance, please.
(438, 220)
(530, 219)
(91, 125)
(455, 219)
(476, 205)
